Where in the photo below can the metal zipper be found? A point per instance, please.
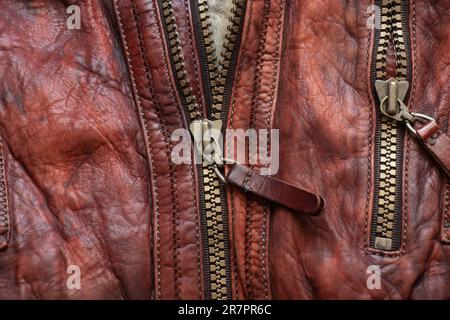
(217, 78)
(177, 61)
(391, 87)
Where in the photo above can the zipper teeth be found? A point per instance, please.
(208, 45)
(217, 258)
(387, 217)
(232, 41)
(214, 218)
(214, 196)
(392, 29)
(178, 61)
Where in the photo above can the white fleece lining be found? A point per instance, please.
(220, 13)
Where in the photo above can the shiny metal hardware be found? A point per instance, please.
(392, 94)
(417, 117)
(207, 143)
(206, 136)
(386, 224)
(383, 243)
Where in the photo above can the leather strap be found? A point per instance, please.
(437, 143)
(275, 190)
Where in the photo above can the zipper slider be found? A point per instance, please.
(207, 138)
(392, 94)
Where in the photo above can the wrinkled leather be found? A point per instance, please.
(325, 112)
(85, 123)
(77, 175)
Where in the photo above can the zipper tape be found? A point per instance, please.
(275, 190)
(390, 76)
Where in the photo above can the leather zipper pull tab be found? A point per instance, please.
(275, 190)
(436, 142)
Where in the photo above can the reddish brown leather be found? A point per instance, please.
(437, 143)
(252, 106)
(326, 115)
(445, 232)
(274, 190)
(76, 164)
(176, 257)
(85, 123)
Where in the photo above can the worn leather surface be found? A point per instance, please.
(85, 123)
(177, 252)
(325, 114)
(426, 187)
(76, 163)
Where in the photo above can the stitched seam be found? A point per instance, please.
(263, 251)
(258, 74)
(405, 223)
(144, 124)
(200, 102)
(275, 74)
(173, 184)
(269, 116)
(167, 137)
(174, 187)
(233, 108)
(446, 210)
(257, 88)
(149, 82)
(5, 220)
(369, 157)
(239, 71)
(250, 202)
(194, 59)
(235, 267)
(247, 250)
(408, 141)
(197, 235)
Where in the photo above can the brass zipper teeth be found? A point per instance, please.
(231, 39)
(387, 219)
(178, 60)
(214, 200)
(391, 32)
(206, 29)
(217, 258)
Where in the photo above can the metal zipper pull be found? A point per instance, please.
(207, 138)
(392, 94)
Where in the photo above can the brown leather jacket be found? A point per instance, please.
(93, 207)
